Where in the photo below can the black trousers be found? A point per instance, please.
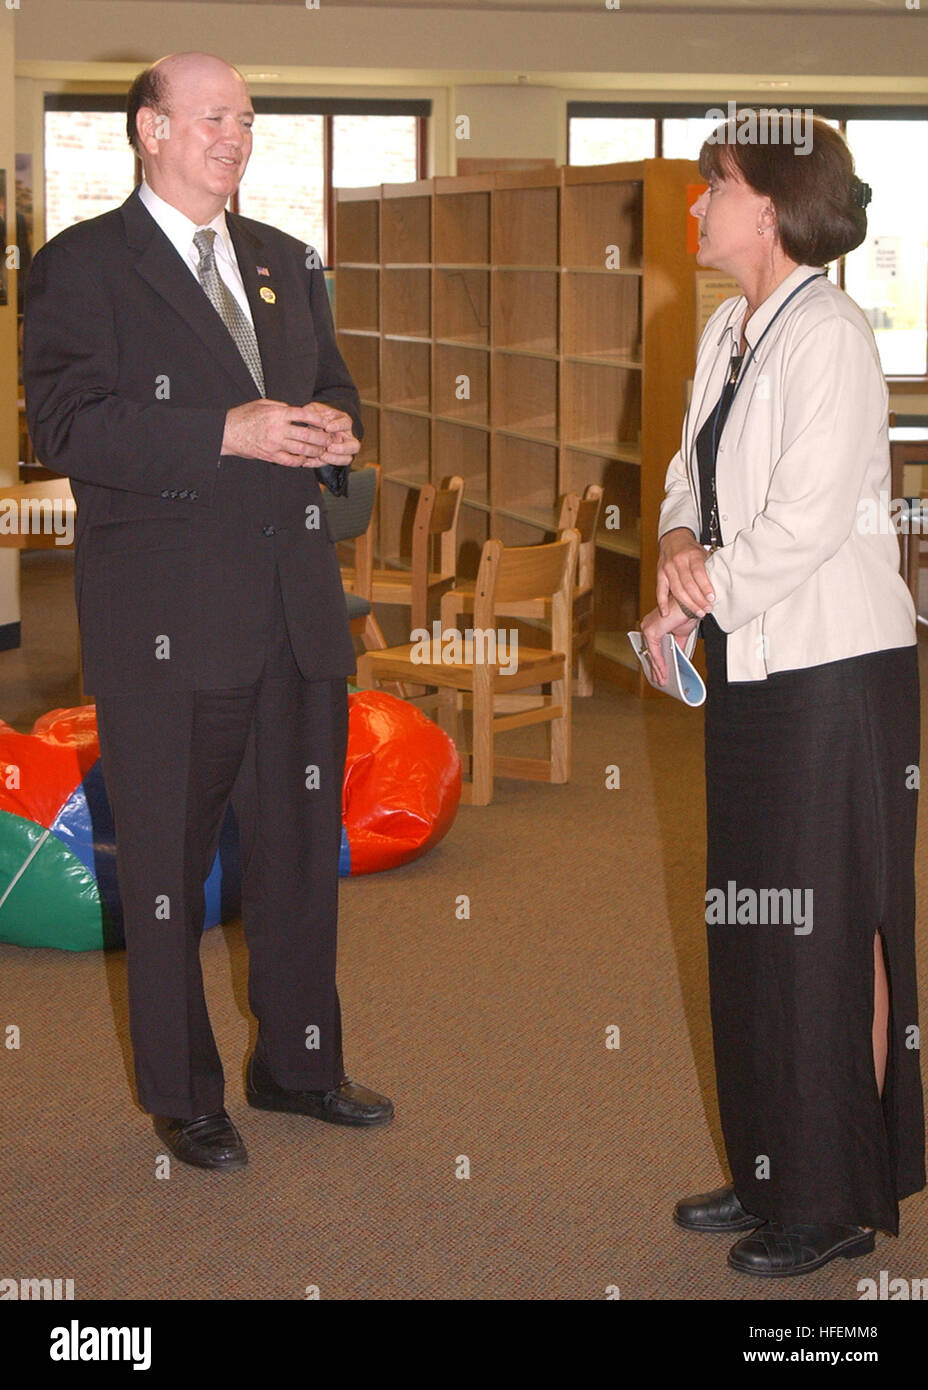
(171, 764)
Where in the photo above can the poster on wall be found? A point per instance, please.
(25, 204)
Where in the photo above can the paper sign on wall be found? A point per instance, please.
(885, 254)
(711, 289)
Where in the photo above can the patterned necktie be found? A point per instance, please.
(227, 306)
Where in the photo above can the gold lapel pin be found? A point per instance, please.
(267, 295)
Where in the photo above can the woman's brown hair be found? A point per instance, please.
(819, 201)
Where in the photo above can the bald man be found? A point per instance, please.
(181, 368)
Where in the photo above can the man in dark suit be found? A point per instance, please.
(181, 367)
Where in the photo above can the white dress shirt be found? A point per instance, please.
(799, 580)
(179, 230)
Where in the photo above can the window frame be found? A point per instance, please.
(81, 101)
(842, 112)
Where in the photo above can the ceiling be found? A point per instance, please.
(834, 8)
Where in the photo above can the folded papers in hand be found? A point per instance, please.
(683, 680)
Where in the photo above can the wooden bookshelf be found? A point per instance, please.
(462, 304)
(406, 224)
(532, 331)
(526, 221)
(525, 310)
(406, 374)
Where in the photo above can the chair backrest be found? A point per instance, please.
(582, 513)
(570, 505)
(587, 524)
(437, 514)
(515, 573)
(354, 518)
(587, 515)
(350, 516)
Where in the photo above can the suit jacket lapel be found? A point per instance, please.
(267, 314)
(159, 264)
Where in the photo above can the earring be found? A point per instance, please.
(760, 231)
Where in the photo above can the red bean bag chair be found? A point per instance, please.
(402, 782)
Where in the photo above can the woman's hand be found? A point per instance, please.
(681, 573)
(656, 626)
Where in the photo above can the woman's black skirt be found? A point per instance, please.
(812, 782)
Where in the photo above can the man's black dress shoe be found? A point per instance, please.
(347, 1104)
(713, 1211)
(776, 1250)
(209, 1141)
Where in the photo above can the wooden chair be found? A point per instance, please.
(352, 518)
(581, 514)
(506, 576)
(437, 513)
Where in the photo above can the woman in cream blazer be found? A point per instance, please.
(777, 548)
(803, 468)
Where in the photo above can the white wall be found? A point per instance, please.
(508, 122)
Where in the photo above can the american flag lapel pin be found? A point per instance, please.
(266, 293)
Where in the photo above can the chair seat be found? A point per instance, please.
(357, 607)
(462, 597)
(401, 580)
(536, 666)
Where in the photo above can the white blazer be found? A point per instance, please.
(801, 579)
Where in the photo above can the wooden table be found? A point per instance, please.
(61, 510)
(30, 500)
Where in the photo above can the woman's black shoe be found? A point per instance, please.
(775, 1250)
(714, 1211)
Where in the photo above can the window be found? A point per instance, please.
(89, 166)
(611, 139)
(303, 150)
(682, 136)
(284, 183)
(888, 275)
(374, 149)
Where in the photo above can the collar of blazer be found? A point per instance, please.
(766, 312)
(158, 263)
